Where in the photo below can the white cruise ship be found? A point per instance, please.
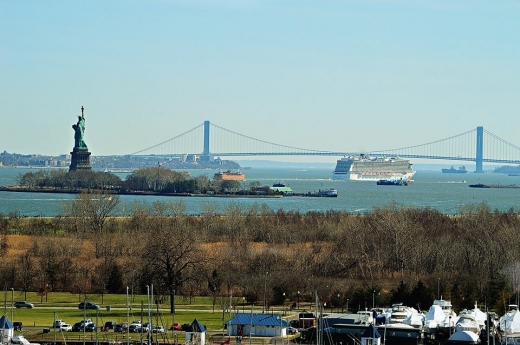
(365, 168)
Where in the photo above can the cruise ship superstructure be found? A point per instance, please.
(365, 168)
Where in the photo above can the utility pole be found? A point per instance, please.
(264, 309)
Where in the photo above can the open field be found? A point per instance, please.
(65, 305)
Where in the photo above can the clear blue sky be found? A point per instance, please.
(329, 75)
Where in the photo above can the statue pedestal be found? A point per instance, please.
(80, 160)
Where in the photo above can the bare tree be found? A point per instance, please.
(173, 253)
(90, 212)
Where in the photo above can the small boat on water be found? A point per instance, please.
(481, 185)
(452, 170)
(329, 193)
(393, 182)
(322, 193)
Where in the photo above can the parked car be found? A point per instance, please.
(122, 327)
(78, 326)
(176, 327)
(134, 328)
(88, 305)
(294, 323)
(57, 323)
(17, 325)
(158, 329)
(91, 327)
(110, 325)
(65, 327)
(186, 327)
(145, 327)
(291, 330)
(23, 304)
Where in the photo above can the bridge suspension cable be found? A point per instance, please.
(456, 146)
(270, 143)
(168, 141)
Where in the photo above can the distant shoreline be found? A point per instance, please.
(16, 189)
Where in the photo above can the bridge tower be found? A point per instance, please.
(205, 152)
(480, 149)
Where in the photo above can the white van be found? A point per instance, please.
(57, 323)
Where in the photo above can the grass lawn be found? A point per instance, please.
(64, 306)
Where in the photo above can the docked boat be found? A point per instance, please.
(509, 323)
(282, 188)
(440, 320)
(365, 168)
(415, 319)
(480, 316)
(398, 313)
(464, 337)
(229, 176)
(452, 170)
(467, 322)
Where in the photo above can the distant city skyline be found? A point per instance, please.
(328, 75)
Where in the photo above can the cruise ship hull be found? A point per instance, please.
(364, 168)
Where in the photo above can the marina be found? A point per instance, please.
(440, 325)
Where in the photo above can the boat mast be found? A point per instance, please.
(318, 325)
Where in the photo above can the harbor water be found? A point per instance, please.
(447, 193)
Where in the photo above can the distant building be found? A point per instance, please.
(257, 325)
(196, 333)
(6, 329)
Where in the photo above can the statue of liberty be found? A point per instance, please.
(79, 132)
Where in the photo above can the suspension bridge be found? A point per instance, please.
(476, 145)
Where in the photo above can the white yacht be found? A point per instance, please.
(398, 313)
(440, 320)
(467, 322)
(509, 323)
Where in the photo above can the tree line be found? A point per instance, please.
(156, 179)
(259, 255)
